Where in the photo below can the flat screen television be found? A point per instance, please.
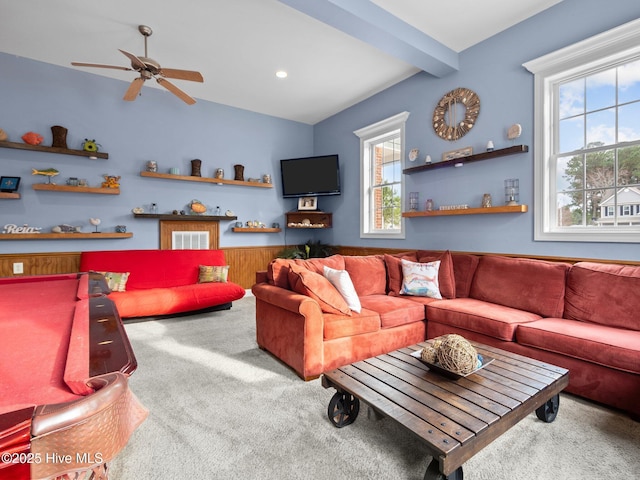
(310, 176)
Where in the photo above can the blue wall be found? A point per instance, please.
(493, 69)
(157, 126)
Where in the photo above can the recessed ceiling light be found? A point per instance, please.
(281, 74)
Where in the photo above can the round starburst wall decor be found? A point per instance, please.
(447, 121)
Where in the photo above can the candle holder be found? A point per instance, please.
(511, 191)
(413, 201)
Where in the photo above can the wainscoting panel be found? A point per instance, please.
(244, 262)
(40, 263)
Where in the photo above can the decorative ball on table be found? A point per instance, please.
(456, 354)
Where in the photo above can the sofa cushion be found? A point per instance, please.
(609, 346)
(213, 273)
(420, 279)
(464, 268)
(368, 274)
(394, 270)
(340, 326)
(342, 281)
(478, 316)
(535, 286)
(117, 282)
(278, 269)
(605, 294)
(446, 275)
(393, 311)
(314, 285)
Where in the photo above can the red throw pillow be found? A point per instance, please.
(446, 277)
(394, 270)
(319, 288)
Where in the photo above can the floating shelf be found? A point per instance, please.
(50, 187)
(215, 181)
(9, 195)
(471, 158)
(309, 219)
(185, 218)
(62, 236)
(255, 230)
(469, 211)
(63, 151)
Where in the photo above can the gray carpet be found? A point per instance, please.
(220, 408)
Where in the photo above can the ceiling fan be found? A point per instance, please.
(149, 68)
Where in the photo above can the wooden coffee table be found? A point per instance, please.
(456, 418)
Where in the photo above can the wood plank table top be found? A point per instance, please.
(455, 418)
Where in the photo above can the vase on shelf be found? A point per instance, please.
(195, 168)
(239, 171)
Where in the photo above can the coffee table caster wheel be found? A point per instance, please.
(548, 412)
(433, 473)
(343, 409)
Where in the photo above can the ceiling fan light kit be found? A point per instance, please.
(148, 69)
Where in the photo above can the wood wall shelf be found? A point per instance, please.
(185, 218)
(215, 181)
(255, 230)
(63, 151)
(471, 158)
(50, 187)
(9, 195)
(309, 219)
(469, 211)
(63, 236)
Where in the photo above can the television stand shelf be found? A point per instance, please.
(309, 219)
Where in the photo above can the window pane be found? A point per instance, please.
(629, 82)
(600, 172)
(570, 173)
(629, 166)
(629, 122)
(601, 128)
(569, 208)
(571, 134)
(601, 90)
(571, 99)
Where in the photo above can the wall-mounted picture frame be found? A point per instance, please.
(9, 184)
(308, 203)
(459, 153)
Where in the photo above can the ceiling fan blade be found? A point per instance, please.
(176, 91)
(98, 65)
(133, 90)
(135, 61)
(182, 74)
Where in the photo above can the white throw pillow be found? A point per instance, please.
(342, 281)
(420, 279)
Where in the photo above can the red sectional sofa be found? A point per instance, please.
(163, 282)
(583, 317)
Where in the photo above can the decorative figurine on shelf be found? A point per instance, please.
(490, 146)
(197, 207)
(239, 170)
(486, 200)
(121, 229)
(219, 173)
(65, 228)
(152, 166)
(90, 145)
(111, 181)
(48, 172)
(196, 165)
(32, 138)
(3, 135)
(59, 136)
(95, 222)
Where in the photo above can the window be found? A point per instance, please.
(587, 139)
(381, 180)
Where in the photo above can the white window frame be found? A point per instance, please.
(612, 47)
(369, 136)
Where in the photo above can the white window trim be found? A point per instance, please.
(613, 45)
(366, 135)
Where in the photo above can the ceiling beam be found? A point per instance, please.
(368, 22)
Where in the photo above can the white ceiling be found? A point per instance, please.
(332, 52)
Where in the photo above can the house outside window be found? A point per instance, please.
(381, 179)
(587, 139)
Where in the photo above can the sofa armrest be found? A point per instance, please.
(291, 327)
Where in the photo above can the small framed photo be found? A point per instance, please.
(460, 153)
(308, 203)
(9, 184)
